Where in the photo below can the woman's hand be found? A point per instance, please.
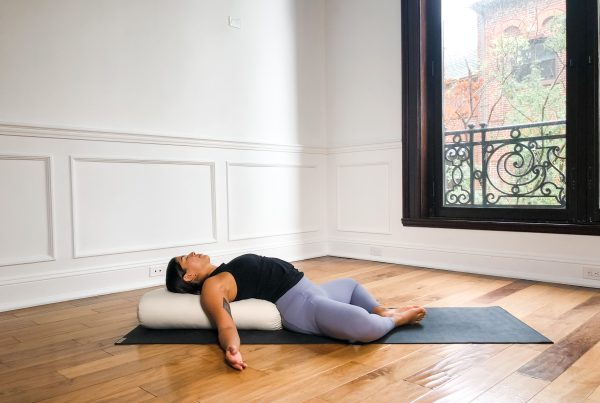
(234, 358)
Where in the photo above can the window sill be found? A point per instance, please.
(555, 228)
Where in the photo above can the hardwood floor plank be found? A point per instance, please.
(47, 331)
(583, 311)
(387, 354)
(14, 384)
(311, 387)
(595, 395)
(281, 358)
(515, 388)
(379, 273)
(557, 358)
(217, 381)
(67, 357)
(130, 395)
(117, 304)
(315, 400)
(562, 313)
(374, 381)
(109, 297)
(110, 361)
(23, 351)
(374, 273)
(4, 315)
(502, 292)
(60, 315)
(106, 318)
(42, 309)
(167, 374)
(180, 376)
(301, 370)
(591, 359)
(564, 304)
(337, 269)
(464, 297)
(438, 288)
(401, 391)
(114, 331)
(528, 300)
(12, 323)
(455, 364)
(480, 378)
(442, 294)
(404, 289)
(115, 386)
(407, 282)
(124, 376)
(8, 341)
(573, 385)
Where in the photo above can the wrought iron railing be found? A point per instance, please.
(506, 166)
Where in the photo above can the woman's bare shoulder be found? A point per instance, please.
(223, 282)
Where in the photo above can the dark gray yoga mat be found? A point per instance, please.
(489, 325)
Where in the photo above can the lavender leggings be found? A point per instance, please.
(339, 308)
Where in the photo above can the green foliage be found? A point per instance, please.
(531, 98)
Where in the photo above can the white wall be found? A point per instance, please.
(365, 178)
(133, 131)
(363, 64)
(166, 67)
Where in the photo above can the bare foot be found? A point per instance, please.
(383, 311)
(409, 315)
(390, 312)
(406, 308)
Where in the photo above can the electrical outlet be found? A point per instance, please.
(157, 270)
(592, 273)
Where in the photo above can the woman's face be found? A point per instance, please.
(196, 266)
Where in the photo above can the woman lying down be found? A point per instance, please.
(342, 308)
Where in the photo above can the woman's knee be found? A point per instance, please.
(353, 324)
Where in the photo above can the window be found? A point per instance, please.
(500, 116)
(537, 57)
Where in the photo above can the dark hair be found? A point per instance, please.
(175, 281)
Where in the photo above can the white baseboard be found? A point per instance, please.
(537, 268)
(28, 291)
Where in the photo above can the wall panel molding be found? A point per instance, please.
(78, 252)
(24, 130)
(50, 216)
(386, 229)
(68, 133)
(396, 145)
(232, 235)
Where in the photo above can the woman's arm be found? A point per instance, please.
(216, 305)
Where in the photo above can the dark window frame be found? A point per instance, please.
(422, 66)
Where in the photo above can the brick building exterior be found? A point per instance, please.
(503, 27)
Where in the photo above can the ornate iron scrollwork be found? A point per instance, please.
(485, 167)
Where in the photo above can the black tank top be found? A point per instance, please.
(260, 276)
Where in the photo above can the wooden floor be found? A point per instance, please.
(65, 353)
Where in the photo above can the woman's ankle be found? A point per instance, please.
(383, 311)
